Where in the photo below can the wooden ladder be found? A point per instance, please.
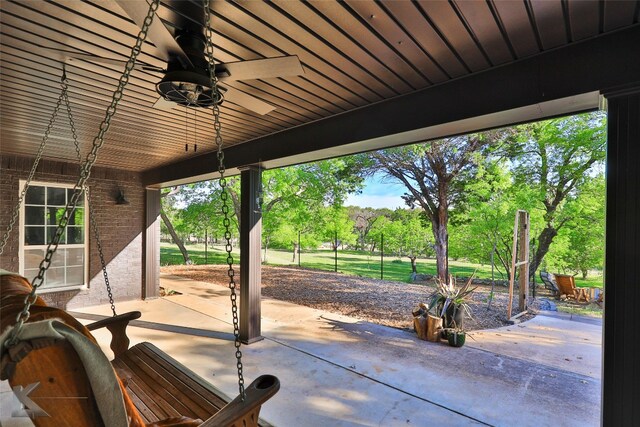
(520, 250)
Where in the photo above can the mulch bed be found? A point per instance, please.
(378, 301)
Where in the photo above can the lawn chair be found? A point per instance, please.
(549, 282)
(567, 288)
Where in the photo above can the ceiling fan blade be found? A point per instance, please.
(158, 33)
(163, 104)
(247, 101)
(284, 66)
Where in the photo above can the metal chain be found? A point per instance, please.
(85, 172)
(92, 215)
(224, 196)
(45, 138)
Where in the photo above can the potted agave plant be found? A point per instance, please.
(450, 302)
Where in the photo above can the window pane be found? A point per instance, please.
(35, 195)
(51, 231)
(54, 277)
(75, 256)
(77, 218)
(34, 215)
(32, 259)
(31, 274)
(75, 276)
(75, 235)
(58, 258)
(56, 196)
(54, 214)
(34, 235)
(70, 194)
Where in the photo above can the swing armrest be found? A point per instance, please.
(117, 325)
(241, 413)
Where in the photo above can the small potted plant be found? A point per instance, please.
(455, 336)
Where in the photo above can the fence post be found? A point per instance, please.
(335, 266)
(381, 256)
(298, 248)
(206, 242)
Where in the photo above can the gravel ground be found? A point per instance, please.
(379, 301)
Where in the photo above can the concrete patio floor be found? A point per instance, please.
(339, 371)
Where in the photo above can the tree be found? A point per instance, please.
(435, 173)
(334, 225)
(292, 195)
(166, 199)
(364, 219)
(485, 220)
(554, 157)
(413, 236)
(585, 234)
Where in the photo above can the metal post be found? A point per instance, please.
(298, 248)
(335, 267)
(206, 241)
(381, 256)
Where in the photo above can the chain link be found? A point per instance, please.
(92, 214)
(224, 195)
(45, 138)
(85, 172)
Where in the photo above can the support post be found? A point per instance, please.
(621, 374)
(151, 245)
(250, 243)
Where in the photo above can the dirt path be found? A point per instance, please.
(379, 301)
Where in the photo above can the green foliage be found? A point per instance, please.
(554, 158)
(472, 185)
(579, 247)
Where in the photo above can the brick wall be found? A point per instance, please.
(120, 227)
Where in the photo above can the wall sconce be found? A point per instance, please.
(120, 199)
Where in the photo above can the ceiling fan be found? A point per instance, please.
(185, 80)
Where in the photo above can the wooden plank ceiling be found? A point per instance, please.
(354, 53)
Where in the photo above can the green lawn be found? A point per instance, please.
(349, 262)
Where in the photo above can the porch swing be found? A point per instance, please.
(45, 352)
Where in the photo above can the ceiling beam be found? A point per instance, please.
(523, 87)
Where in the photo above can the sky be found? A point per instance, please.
(378, 192)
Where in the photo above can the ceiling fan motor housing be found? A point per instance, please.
(189, 85)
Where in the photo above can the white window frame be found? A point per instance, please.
(85, 245)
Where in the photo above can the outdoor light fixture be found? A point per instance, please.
(120, 199)
(189, 88)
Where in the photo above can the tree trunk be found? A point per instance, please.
(544, 242)
(295, 250)
(414, 267)
(439, 227)
(176, 238)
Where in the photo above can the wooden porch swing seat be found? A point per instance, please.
(156, 389)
